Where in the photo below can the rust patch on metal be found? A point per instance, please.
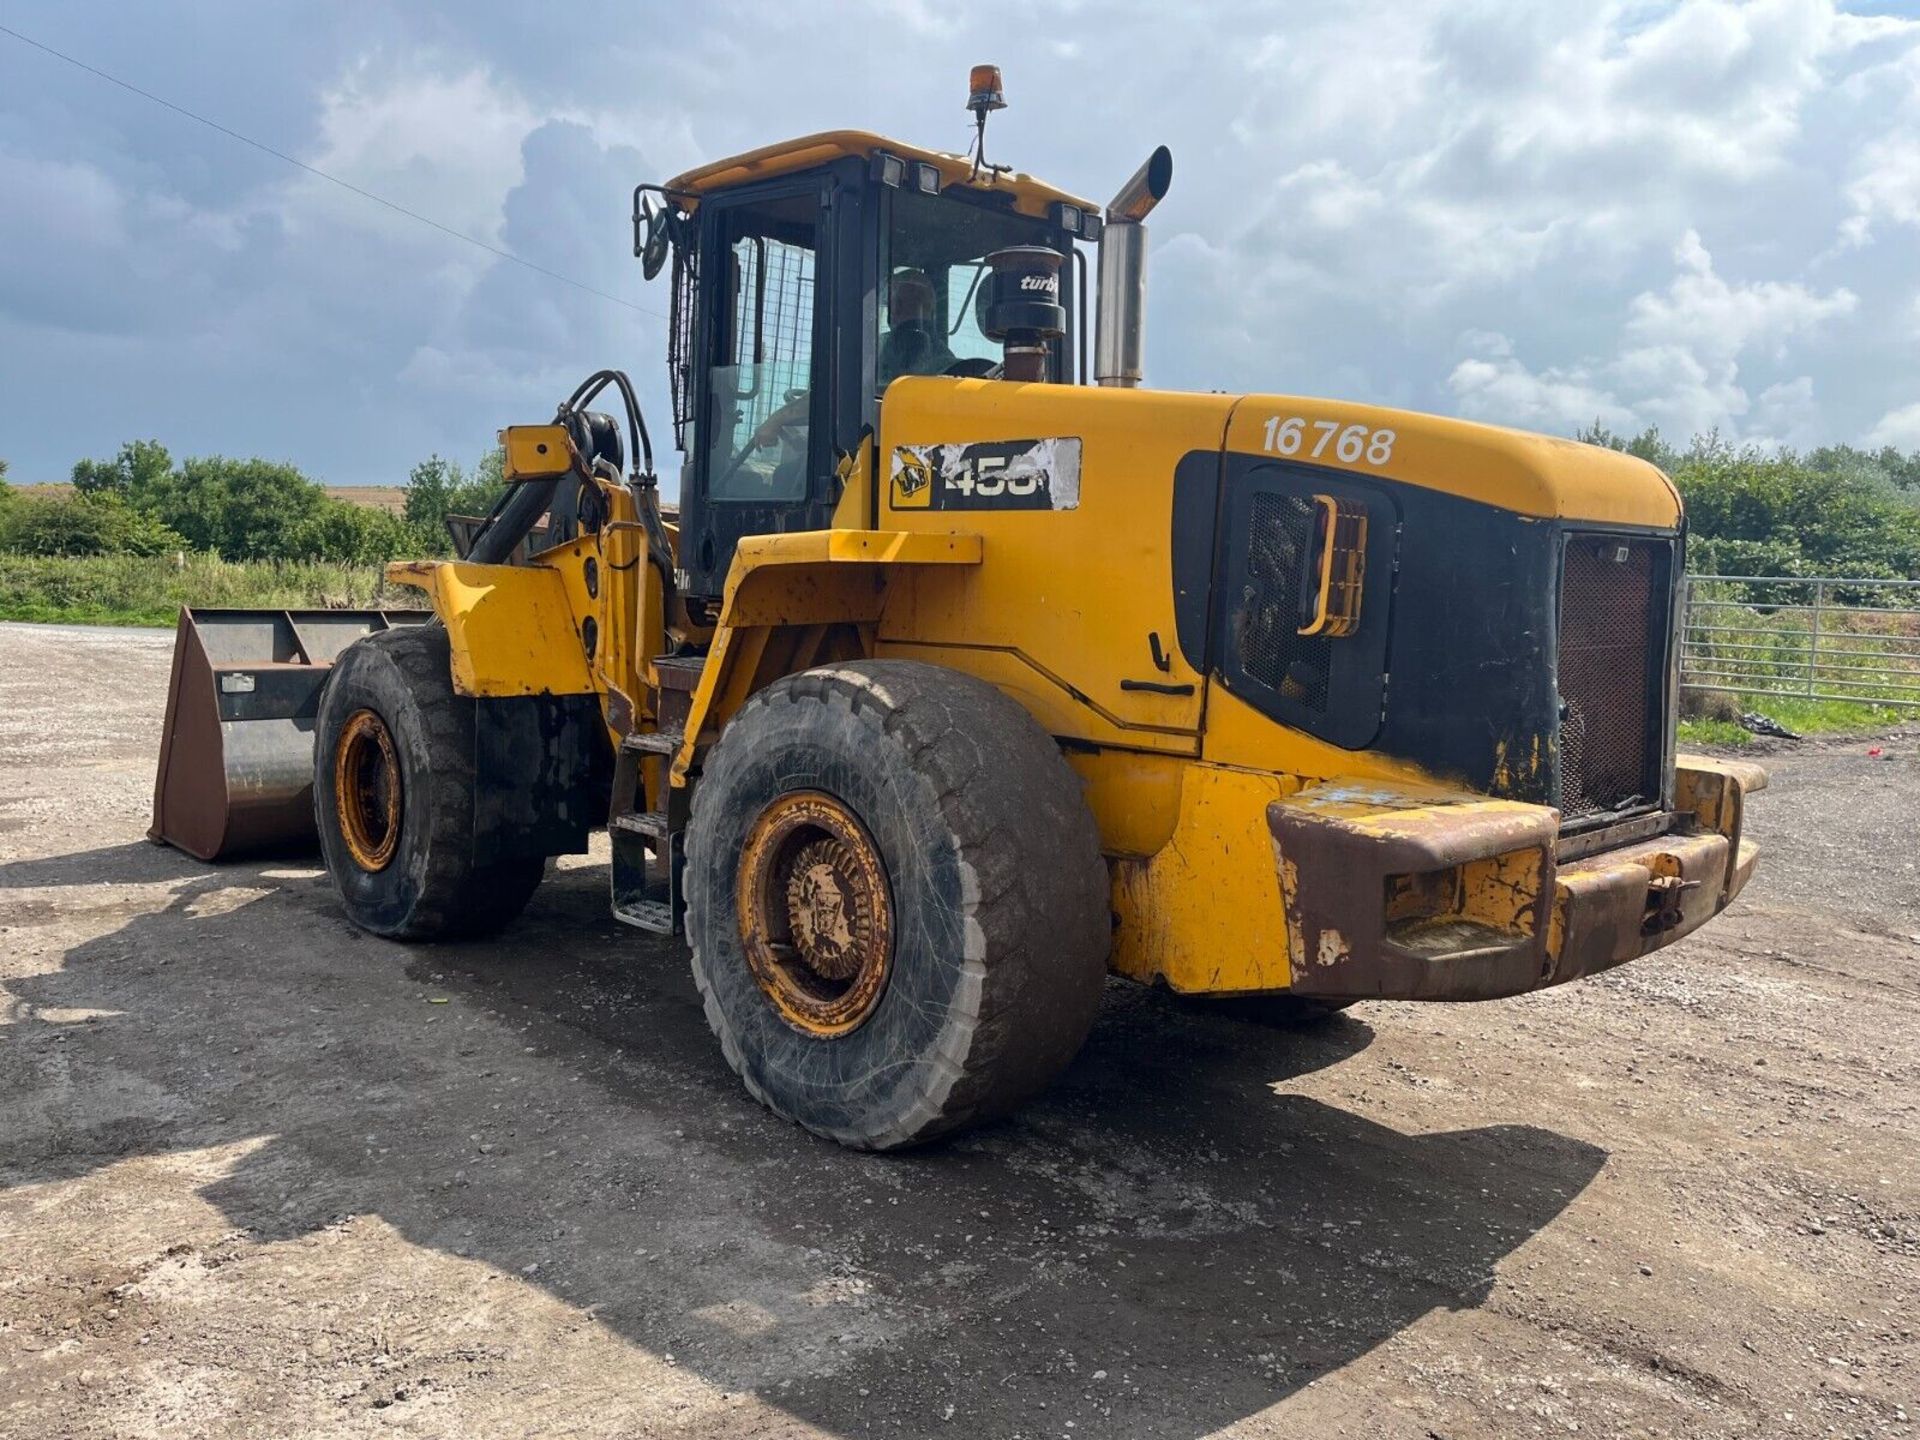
(1466, 901)
(236, 750)
(816, 913)
(1619, 905)
(1413, 894)
(1714, 794)
(366, 790)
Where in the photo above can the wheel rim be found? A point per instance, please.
(816, 913)
(366, 790)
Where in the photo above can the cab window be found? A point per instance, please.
(933, 284)
(760, 382)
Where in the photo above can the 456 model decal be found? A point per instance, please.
(988, 475)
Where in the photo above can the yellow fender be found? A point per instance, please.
(784, 592)
(502, 622)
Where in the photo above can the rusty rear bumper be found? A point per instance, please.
(1395, 893)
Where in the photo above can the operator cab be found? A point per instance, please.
(807, 277)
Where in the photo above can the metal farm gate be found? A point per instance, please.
(1817, 638)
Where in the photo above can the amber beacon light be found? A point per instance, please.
(983, 90)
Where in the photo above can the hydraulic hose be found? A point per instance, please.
(513, 522)
(521, 509)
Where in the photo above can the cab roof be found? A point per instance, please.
(1030, 196)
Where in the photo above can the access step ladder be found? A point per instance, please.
(647, 855)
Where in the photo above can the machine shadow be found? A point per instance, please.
(1167, 1214)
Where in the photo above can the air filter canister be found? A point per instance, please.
(1024, 312)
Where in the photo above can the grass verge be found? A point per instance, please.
(136, 590)
(1804, 717)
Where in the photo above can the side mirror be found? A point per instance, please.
(653, 248)
(1335, 575)
(657, 226)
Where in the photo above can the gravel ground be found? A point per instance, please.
(261, 1174)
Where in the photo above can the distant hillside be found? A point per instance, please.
(390, 498)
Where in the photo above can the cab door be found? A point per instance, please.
(777, 364)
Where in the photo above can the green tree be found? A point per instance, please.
(437, 488)
(249, 509)
(241, 509)
(1838, 510)
(82, 525)
(1886, 466)
(141, 473)
(1647, 445)
(1755, 513)
(430, 487)
(490, 475)
(353, 534)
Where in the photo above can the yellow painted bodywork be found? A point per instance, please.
(1056, 607)
(521, 629)
(786, 595)
(1203, 912)
(1060, 612)
(1715, 792)
(1029, 196)
(507, 625)
(536, 452)
(1537, 475)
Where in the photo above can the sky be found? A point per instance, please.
(1699, 215)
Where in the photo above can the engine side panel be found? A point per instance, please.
(1068, 488)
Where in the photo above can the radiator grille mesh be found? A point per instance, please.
(1612, 646)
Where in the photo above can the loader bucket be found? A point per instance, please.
(236, 752)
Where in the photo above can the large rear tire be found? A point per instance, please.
(896, 902)
(393, 786)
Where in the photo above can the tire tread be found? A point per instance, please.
(458, 899)
(1031, 854)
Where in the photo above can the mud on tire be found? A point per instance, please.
(999, 899)
(430, 888)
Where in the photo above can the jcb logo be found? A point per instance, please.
(912, 480)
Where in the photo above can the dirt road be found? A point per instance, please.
(261, 1174)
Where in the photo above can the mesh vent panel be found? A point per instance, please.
(1612, 605)
(1266, 625)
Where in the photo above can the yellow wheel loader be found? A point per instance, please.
(968, 670)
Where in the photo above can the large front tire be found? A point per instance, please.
(393, 787)
(896, 902)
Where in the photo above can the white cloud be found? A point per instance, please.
(1899, 428)
(1704, 313)
(1883, 188)
(1678, 365)
(446, 145)
(1525, 169)
(1495, 386)
(1360, 185)
(1786, 414)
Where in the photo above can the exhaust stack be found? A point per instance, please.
(1121, 310)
